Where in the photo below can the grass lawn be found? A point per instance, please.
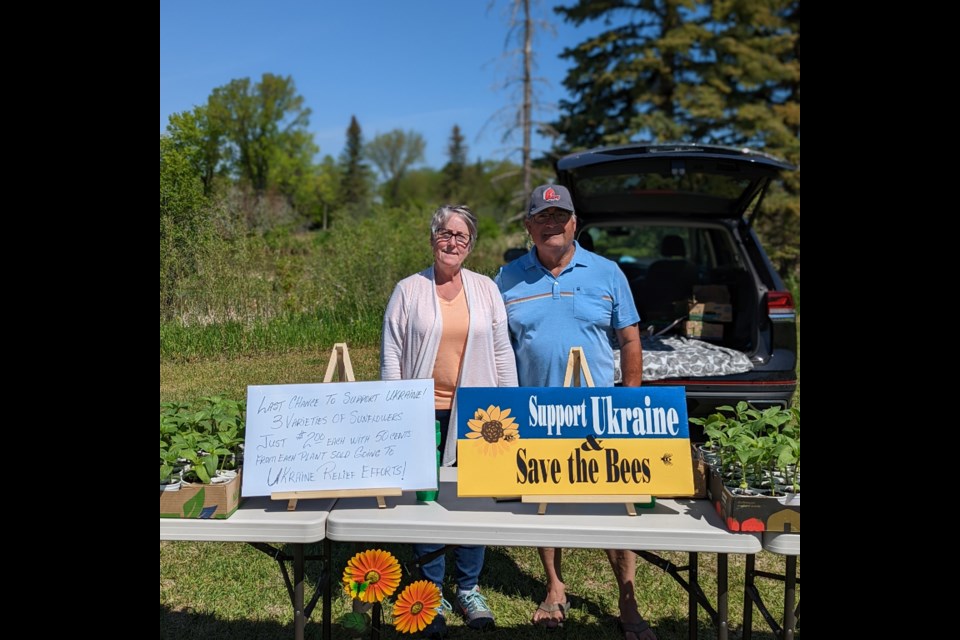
(231, 591)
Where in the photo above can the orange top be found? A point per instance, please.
(446, 369)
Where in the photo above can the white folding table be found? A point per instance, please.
(259, 521)
(671, 525)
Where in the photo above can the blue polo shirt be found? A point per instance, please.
(547, 315)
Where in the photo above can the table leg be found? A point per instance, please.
(697, 598)
(327, 590)
(748, 587)
(298, 618)
(723, 604)
(752, 598)
(789, 598)
(692, 609)
(295, 588)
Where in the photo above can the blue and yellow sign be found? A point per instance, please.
(573, 440)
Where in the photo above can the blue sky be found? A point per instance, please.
(422, 65)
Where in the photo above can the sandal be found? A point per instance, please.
(638, 629)
(552, 607)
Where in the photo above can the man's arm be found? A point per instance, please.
(631, 355)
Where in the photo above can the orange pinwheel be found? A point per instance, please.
(372, 575)
(416, 607)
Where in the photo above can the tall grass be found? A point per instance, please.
(279, 334)
(284, 291)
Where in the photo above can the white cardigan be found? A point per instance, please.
(412, 326)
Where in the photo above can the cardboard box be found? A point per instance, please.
(703, 330)
(711, 293)
(701, 471)
(710, 312)
(754, 513)
(201, 500)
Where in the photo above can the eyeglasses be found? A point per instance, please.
(560, 217)
(463, 239)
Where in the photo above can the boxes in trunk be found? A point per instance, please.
(201, 500)
(702, 330)
(710, 312)
(718, 293)
(754, 513)
(710, 306)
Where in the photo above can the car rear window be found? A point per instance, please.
(636, 246)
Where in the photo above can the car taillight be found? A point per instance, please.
(779, 302)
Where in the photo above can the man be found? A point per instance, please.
(558, 296)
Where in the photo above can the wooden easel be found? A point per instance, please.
(339, 363)
(577, 364)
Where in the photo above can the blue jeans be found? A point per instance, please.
(469, 558)
(469, 562)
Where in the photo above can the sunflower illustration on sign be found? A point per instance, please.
(494, 430)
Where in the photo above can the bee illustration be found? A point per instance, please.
(667, 459)
(509, 437)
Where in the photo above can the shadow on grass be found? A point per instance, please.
(501, 574)
(187, 624)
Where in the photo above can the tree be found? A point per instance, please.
(292, 172)
(393, 154)
(724, 72)
(327, 187)
(198, 139)
(453, 171)
(262, 124)
(691, 70)
(184, 220)
(355, 174)
(523, 115)
(634, 80)
(758, 64)
(526, 108)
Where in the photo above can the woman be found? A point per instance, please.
(448, 323)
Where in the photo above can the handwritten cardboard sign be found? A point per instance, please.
(573, 441)
(346, 435)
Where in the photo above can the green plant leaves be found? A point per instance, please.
(203, 433)
(357, 622)
(759, 443)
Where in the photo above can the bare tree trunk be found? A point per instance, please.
(524, 108)
(527, 109)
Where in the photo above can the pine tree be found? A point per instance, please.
(628, 80)
(757, 49)
(720, 71)
(355, 174)
(454, 170)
